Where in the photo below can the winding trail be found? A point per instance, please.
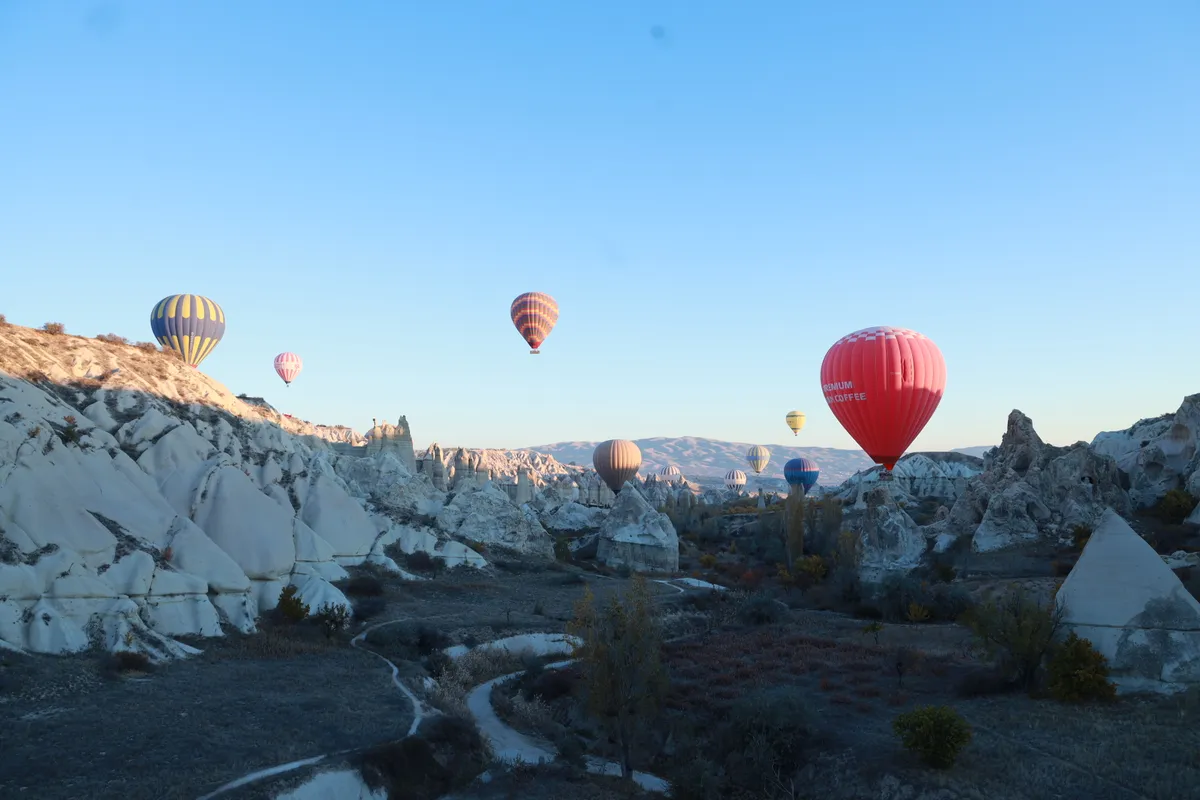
(510, 746)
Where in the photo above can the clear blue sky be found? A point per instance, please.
(712, 206)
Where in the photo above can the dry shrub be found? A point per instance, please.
(148, 347)
(3, 321)
(54, 328)
(111, 338)
(460, 675)
(1018, 632)
(126, 661)
(1174, 507)
(446, 753)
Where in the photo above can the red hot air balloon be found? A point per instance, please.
(883, 384)
(534, 315)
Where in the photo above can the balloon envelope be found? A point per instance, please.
(735, 479)
(534, 315)
(288, 366)
(883, 384)
(795, 421)
(757, 457)
(801, 473)
(189, 324)
(671, 471)
(616, 461)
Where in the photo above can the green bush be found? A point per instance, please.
(1079, 673)
(937, 734)
(1174, 507)
(291, 608)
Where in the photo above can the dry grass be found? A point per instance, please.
(278, 642)
(464, 673)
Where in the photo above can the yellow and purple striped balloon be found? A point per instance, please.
(189, 324)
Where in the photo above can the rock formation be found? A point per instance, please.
(1030, 490)
(486, 514)
(1158, 454)
(140, 500)
(1127, 602)
(890, 540)
(636, 536)
(395, 439)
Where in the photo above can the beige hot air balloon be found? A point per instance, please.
(795, 421)
(616, 461)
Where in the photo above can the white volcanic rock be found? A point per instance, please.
(1031, 491)
(485, 514)
(147, 501)
(573, 518)
(1127, 602)
(917, 476)
(889, 539)
(636, 536)
(1158, 454)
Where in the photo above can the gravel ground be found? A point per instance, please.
(69, 729)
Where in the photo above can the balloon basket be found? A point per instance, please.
(887, 475)
(535, 352)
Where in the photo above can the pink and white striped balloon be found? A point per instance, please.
(288, 366)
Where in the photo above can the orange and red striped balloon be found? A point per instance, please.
(534, 315)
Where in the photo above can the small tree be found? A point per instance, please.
(793, 525)
(621, 654)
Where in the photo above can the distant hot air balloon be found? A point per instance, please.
(735, 479)
(288, 366)
(616, 461)
(795, 421)
(669, 473)
(534, 314)
(189, 324)
(801, 473)
(883, 384)
(757, 457)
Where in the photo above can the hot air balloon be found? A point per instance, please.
(534, 314)
(616, 461)
(189, 324)
(669, 473)
(883, 384)
(288, 366)
(801, 473)
(735, 479)
(757, 457)
(795, 421)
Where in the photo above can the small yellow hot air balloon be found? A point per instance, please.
(795, 421)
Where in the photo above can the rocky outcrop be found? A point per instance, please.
(395, 439)
(128, 518)
(1158, 454)
(1030, 490)
(1127, 602)
(917, 476)
(889, 539)
(485, 514)
(573, 518)
(636, 536)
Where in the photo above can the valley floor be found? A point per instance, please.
(71, 728)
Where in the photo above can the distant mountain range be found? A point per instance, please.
(707, 460)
